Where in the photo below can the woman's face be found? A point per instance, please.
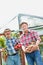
(24, 27)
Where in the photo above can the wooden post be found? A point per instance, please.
(0, 59)
(22, 57)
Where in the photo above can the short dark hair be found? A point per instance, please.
(23, 23)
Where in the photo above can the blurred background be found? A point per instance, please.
(13, 12)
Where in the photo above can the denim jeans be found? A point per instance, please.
(13, 60)
(34, 57)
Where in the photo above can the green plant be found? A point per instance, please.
(15, 34)
(2, 42)
(41, 38)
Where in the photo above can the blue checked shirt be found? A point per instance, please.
(10, 45)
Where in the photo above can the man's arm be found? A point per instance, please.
(35, 45)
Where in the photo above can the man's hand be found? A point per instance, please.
(1, 50)
(28, 48)
(35, 47)
(31, 48)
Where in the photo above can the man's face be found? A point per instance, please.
(7, 33)
(24, 27)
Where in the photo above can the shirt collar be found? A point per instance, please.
(28, 32)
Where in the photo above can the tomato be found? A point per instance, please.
(18, 46)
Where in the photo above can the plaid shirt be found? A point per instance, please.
(27, 39)
(10, 45)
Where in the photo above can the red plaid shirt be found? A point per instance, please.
(27, 39)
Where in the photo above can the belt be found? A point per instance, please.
(11, 54)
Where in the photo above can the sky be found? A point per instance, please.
(11, 8)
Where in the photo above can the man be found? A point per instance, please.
(13, 56)
(30, 41)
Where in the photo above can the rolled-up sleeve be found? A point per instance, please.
(36, 35)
